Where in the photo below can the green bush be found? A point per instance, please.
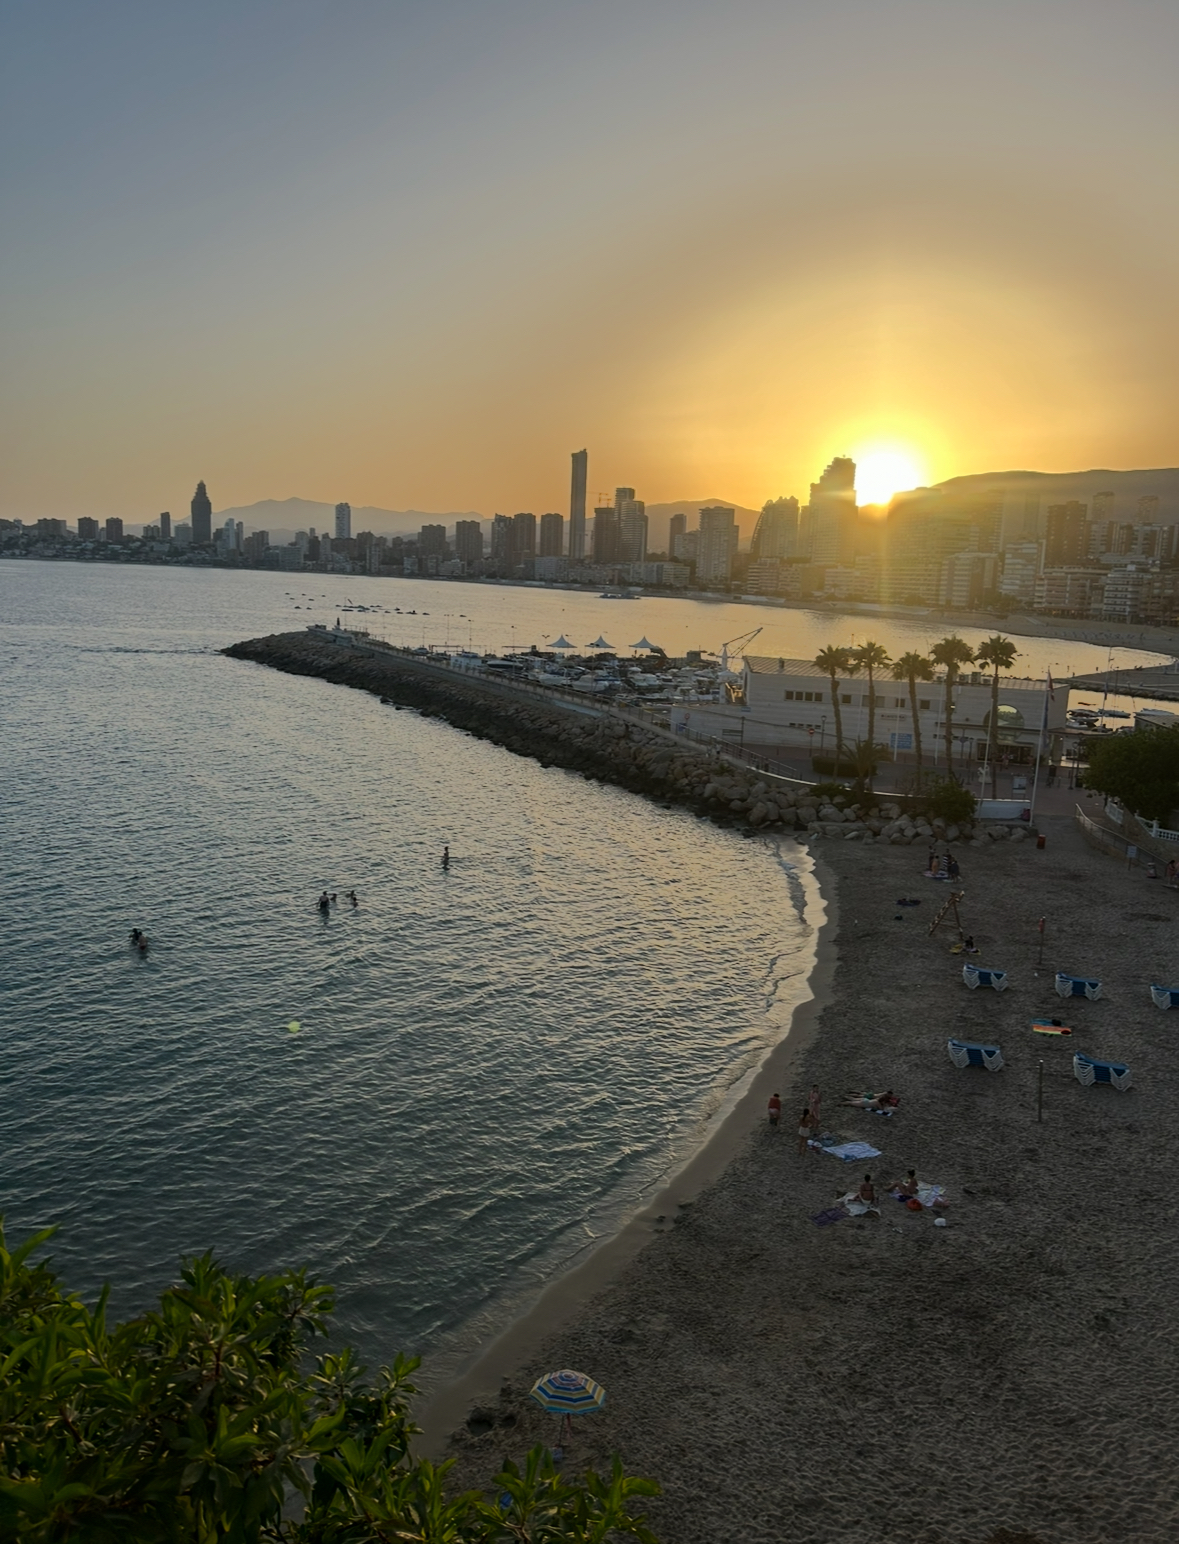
(200, 1421)
(830, 791)
(949, 801)
(1139, 770)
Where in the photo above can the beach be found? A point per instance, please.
(1003, 1379)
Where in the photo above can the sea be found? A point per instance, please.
(436, 1100)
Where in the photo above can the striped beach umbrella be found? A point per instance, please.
(568, 1393)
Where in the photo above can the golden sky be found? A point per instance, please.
(414, 255)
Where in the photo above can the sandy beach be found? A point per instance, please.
(1004, 1379)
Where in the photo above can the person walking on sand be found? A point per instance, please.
(775, 1109)
(806, 1124)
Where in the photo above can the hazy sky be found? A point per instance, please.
(414, 254)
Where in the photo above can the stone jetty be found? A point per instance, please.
(605, 745)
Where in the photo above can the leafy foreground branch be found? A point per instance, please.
(199, 1421)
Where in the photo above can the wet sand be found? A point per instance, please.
(883, 1378)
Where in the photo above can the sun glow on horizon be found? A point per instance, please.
(882, 470)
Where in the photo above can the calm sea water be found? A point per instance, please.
(494, 1063)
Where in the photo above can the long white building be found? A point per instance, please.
(787, 702)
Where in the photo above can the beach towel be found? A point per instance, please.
(1047, 1027)
(850, 1151)
(1165, 996)
(854, 1207)
(832, 1214)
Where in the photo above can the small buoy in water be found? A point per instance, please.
(294, 1026)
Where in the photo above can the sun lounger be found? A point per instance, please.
(1088, 1072)
(969, 1053)
(1078, 986)
(975, 976)
(1165, 996)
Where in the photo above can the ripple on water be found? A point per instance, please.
(493, 1063)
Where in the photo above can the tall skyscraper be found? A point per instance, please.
(468, 541)
(577, 505)
(432, 541)
(831, 514)
(87, 528)
(606, 534)
(202, 516)
(344, 521)
(676, 529)
(523, 537)
(114, 529)
(165, 526)
(776, 533)
(1066, 540)
(632, 531)
(714, 558)
(552, 535)
(501, 540)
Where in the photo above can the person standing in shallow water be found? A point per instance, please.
(446, 856)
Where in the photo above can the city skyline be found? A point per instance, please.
(370, 258)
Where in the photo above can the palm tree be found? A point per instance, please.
(835, 662)
(951, 653)
(999, 653)
(871, 657)
(913, 667)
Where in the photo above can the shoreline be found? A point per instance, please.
(447, 1407)
(782, 1380)
(1144, 637)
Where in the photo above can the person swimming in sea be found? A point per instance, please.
(446, 856)
(324, 903)
(351, 899)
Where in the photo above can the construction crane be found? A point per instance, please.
(741, 641)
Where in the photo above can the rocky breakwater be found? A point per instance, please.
(581, 737)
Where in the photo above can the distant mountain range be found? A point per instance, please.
(1060, 487)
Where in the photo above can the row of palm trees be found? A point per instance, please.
(949, 654)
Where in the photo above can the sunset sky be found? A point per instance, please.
(413, 255)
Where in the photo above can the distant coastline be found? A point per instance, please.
(1157, 640)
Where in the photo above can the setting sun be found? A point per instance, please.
(885, 470)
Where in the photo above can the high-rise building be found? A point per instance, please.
(523, 537)
(1148, 508)
(632, 531)
(776, 533)
(577, 505)
(432, 541)
(501, 540)
(676, 528)
(1066, 541)
(114, 529)
(606, 534)
(344, 521)
(202, 516)
(165, 526)
(829, 520)
(552, 535)
(239, 535)
(468, 541)
(87, 528)
(714, 558)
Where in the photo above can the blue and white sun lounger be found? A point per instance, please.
(1165, 996)
(1078, 986)
(969, 1053)
(1088, 1072)
(976, 976)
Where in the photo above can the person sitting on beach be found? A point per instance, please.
(806, 1124)
(867, 1192)
(905, 1187)
(775, 1109)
